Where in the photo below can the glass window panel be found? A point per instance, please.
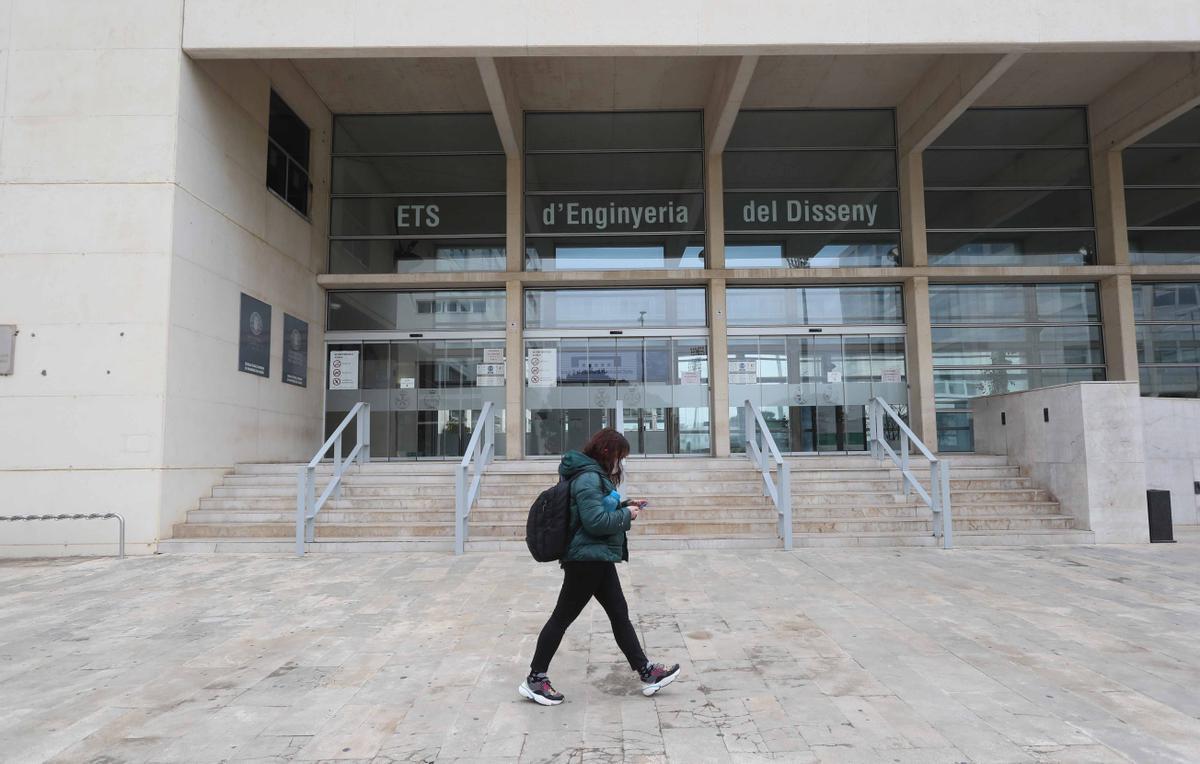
(1168, 382)
(1017, 127)
(966, 168)
(614, 308)
(285, 128)
(1163, 207)
(1183, 129)
(954, 388)
(812, 211)
(1167, 301)
(955, 432)
(1013, 303)
(1017, 346)
(784, 170)
(419, 174)
(1168, 343)
(1164, 247)
(613, 253)
(415, 311)
(813, 250)
(297, 189)
(418, 216)
(1175, 166)
(615, 172)
(277, 170)
(1008, 209)
(415, 133)
(799, 306)
(813, 128)
(415, 255)
(1013, 248)
(614, 131)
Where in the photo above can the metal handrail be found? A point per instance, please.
(308, 504)
(92, 516)
(937, 498)
(480, 450)
(761, 448)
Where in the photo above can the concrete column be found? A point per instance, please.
(914, 251)
(514, 300)
(715, 205)
(1108, 191)
(514, 231)
(1120, 335)
(514, 370)
(718, 366)
(922, 410)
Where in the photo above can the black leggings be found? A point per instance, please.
(581, 582)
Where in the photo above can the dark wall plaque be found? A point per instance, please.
(295, 351)
(254, 342)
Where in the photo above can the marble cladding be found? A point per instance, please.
(1083, 442)
(1172, 439)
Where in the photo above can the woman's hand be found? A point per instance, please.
(636, 506)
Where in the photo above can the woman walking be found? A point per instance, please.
(599, 522)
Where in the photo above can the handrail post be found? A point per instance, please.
(904, 462)
(748, 425)
(785, 504)
(365, 419)
(947, 520)
(337, 468)
(301, 509)
(460, 500)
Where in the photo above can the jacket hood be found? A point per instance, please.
(575, 463)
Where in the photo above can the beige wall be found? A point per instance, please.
(87, 155)
(133, 212)
(232, 235)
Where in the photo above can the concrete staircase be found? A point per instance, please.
(694, 503)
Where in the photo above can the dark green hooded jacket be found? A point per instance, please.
(598, 532)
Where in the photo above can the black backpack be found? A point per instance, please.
(548, 529)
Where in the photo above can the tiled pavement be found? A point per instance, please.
(1084, 654)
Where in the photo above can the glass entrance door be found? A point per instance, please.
(813, 390)
(425, 395)
(573, 386)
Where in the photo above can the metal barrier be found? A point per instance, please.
(480, 450)
(761, 448)
(938, 496)
(308, 504)
(94, 516)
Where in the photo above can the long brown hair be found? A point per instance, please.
(608, 447)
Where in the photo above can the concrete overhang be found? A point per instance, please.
(500, 28)
(604, 83)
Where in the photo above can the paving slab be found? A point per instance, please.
(1038, 654)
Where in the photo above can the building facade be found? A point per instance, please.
(226, 223)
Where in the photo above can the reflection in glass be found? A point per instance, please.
(1013, 303)
(813, 390)
(661, 384)
(813, 251)
(1162, 194)
(415, 255)
(425, 396)
(800, 306)
(415, 311)
(1010, 187)
(1013, 248)
(614, 308)
(1168, 338)
(978, 348)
